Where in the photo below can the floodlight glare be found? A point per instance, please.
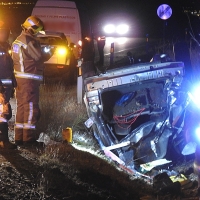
(195, 95)
(197, 131)
(110, 28)
(122, 29)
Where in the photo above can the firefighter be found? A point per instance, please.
(6, 63)
(28, 58)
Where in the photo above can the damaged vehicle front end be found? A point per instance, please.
(138, 112)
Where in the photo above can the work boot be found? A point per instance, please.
(7, 145)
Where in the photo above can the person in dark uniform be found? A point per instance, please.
(5, 115)
(101, 44)
(7, 77)
(7, 84)
(28, 58)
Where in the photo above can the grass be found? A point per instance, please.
(59, 109)
(86, 174)
(73, 169)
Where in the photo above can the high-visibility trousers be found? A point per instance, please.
(28, 112)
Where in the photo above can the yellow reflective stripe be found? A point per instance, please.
(6, 81)
(24, 126)
(29, 126)
(18, 42)
(19, 125)
(28, 75)
(30, 112)
(21, 60)
(2, 119)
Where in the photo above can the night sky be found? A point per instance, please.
(143, 15)
(140, 14)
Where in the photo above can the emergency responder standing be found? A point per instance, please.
(101, 44)
(28, 58)
(7, 84)
(5, 115)
(6, 63)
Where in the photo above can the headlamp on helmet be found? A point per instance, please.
(33, 25)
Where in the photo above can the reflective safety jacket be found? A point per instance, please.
(6, 66)
(28, 57)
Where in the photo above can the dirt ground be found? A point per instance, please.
(62, 171)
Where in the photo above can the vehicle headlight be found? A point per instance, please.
(62, 51)
(110, 28)
(122, 29)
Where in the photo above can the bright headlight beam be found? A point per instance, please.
(122, 29)
(110, 28)
(121, 40)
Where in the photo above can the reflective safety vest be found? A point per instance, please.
(6, 66)
(17, 49)
(17, 45)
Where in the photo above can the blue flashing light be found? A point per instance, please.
(197, 132)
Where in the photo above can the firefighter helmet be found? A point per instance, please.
(4, 32)
(33, 25)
